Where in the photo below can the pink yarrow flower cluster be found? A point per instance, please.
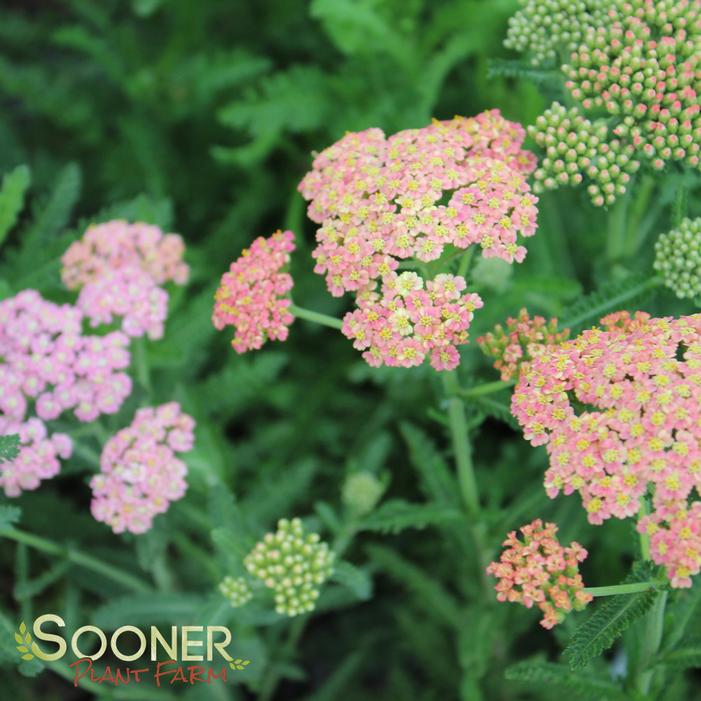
(619, 410)
(413, 195)
(523, 339)
(538, 570)
(252, 296)
(120, 269)
(140, 473)
(47, 367)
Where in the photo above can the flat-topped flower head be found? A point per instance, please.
(253, 295)
(120, 269)
(49, 366)
(544, 29)
(292, 563)
(39, 455)
(381, 200)
(522, 340)
(412, 320)
(140, 474)
(119, 244)
(236, 591)
(678, 258)
(536, 570)
(619, 410)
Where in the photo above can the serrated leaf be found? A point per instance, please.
(437, 481)
(9, 448)
(12, 191)
(557, 676)
(504, 68)
(9, 515)
(28, 657)
(18, 638)
(22, 648)
(353, 578)
(609, 620)
(613, 296)
(396, 515)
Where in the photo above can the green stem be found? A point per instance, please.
(486, 388)
(654, 629)
(316, 317)
(142, 367)
(461, 445)
(616, 241)
(466, 261)
(49, 547)
(634, 231)
(644, 537)
(616, 589)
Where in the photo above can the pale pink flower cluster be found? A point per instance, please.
(140, 473)
(120, 269)
(539, 571)
(48, 366)
(406, 323)
(382, 200)
(522, 340)
(252, 296)
(619, 410)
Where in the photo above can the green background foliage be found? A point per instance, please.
(201, 117)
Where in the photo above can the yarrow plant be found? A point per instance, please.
(524, 339)
(413, 197)
(49, 367)
(641, 68)
(140, 474)
(252, 296)
(678, 258)
(120, 270)
(292, 563)
(537, 570)
(618, 410)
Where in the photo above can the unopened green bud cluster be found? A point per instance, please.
(293, 564)
(636, 69)
(544, 28)
(236, 590)
(678, 258)
(578, 150)
(361, 492)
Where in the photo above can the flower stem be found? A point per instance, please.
(644, 537)
(654, 628)
(486, 388)
(49, 547)
(616, 589)
(142, 369)
(461, 445)
(316, 317)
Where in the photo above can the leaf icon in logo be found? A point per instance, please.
(239, 663)
(24, 642)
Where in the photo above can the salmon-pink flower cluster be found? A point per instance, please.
(522, 340)
(380, 200)
(120, 269)
(619, 410)
(140, 473)
(253, 295)
(406, 323)
(48, 367)
(538, 570)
